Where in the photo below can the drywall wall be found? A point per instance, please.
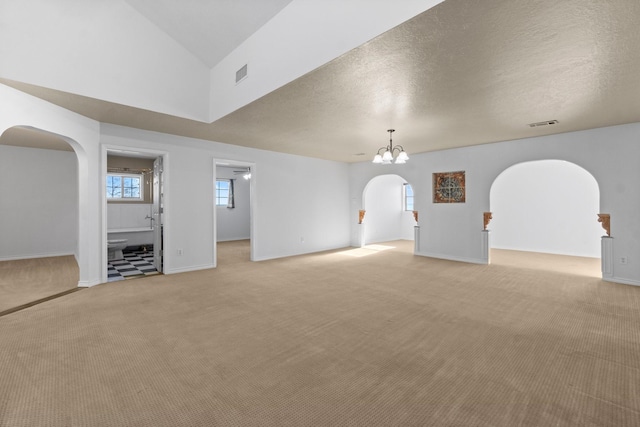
(279, 51)
(83, 134)
(38, 202)
(121, 216)
(233, 224)
(546, 206)
(385, 217)
(301, 204)
(121, 56)
(453, 231)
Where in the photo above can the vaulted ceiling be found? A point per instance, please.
(462, 73)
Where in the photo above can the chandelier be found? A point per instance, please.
(387, 157)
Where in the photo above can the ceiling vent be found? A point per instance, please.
(545, 123)
(241, 74)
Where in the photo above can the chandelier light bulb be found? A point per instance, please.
(387, 157)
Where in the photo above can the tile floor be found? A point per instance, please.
(135, 264)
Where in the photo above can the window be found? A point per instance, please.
(408, 197)
(224, 193)
(124, 186)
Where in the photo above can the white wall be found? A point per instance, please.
(233, 224)
(19, 109)
(123, 58)
(296, 41)
(301, 203)
(546, 206)
(128, 215)
(453, 231)
(385, 217)
(38, 202)
(104, 50)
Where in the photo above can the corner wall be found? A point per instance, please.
(19, 109)
(301, 204)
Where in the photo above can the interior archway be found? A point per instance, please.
(39, 192)
(385, 218)
(546, 206)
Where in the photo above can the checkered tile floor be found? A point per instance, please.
(134, 265)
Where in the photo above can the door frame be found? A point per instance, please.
(133, 152)
(157, 216)
(252, 204)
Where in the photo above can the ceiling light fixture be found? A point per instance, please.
(386, 158)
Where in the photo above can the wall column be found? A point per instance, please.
(486, 246)
(607, 257)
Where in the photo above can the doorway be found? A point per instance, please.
(39, 207)
(388, 205)
(234, 211)
(134, 199)
(546, 207)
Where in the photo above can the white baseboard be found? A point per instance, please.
(313, 251)
(88, 283)
(32, 256)
(452, 258)
(187, 269)
(621, 281)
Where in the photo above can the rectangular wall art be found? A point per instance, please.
(449, 187)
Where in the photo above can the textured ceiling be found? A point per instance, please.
(465, 72)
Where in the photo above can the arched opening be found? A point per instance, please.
(39, 207)
(546, 207)
(388, 205)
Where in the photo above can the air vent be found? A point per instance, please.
(241, 74)
(545, 123)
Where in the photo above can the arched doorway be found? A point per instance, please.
(39, 204)
(546, 206)
(388, 217)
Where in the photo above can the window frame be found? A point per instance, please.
(406, 197)
(122, 198)
(228, 189)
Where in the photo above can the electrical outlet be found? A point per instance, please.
(624, 260)
(302, 240)
(180, 251)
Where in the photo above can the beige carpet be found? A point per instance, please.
(357, 337)
(26, 280)
(579, 266)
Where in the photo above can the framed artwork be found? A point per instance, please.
(449, 187)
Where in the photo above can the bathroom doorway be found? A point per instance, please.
(134, 199)
(233, 197)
